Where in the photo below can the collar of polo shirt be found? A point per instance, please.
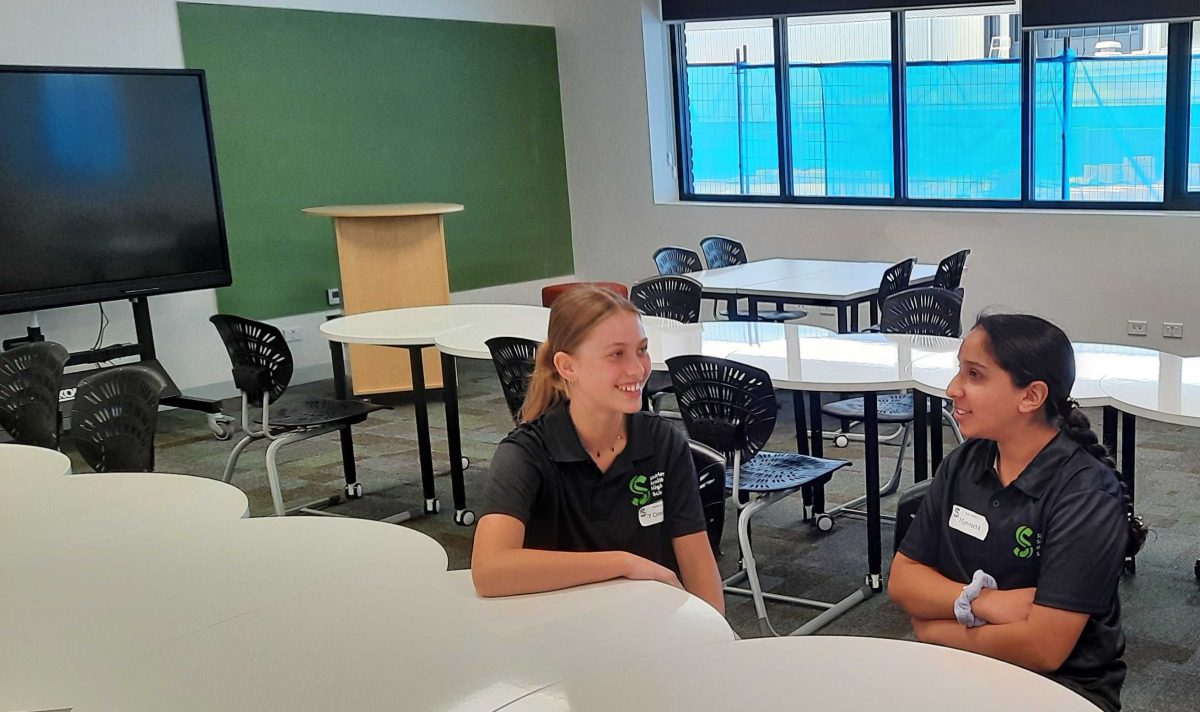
(1035, 478)
(564, 445)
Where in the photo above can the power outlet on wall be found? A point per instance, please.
(333, 295)
(1172, 330)
(291, 334)
(1137, 328)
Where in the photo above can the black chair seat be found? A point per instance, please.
(893, 408)
(315, 412)
(776, 471)
(769, 315)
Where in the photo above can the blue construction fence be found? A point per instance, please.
(1099, 129)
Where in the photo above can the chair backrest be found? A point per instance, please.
(906, 510)
(669, 296)
(710, 472)
(31, 377)
(726, 405)
(514, 358)
(114, 416)
(262, 361)
(677, 260)
(950, 270)
(552, 292)
(895, 279)
(927, 311)
(720, 251)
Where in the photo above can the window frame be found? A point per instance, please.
(1176, 193)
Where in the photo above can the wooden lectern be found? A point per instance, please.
(390, 256)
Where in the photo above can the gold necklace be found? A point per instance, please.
(613, 448)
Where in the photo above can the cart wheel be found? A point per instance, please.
(221, 425)
(354, 490)
(433, 506)
(841, 441)
(464, 517)
(824, 522)
(466, 462)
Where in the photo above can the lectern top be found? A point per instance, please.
(384, 211)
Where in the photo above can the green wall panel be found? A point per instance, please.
(319, 108)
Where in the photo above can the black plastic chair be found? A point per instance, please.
(731, 408)
(895, 279)
(514, 359)
(710, 472)
(668, 296)
(262, 369)
(31, 378)
(950, 270)
(676, 260)
(906, 510)
(113, 418)
(720, 251)
(924, 311)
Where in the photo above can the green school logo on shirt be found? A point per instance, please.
(637, 485)
(1024, 548)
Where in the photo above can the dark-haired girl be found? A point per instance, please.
(1018, 547)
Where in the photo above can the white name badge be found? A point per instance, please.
(651, 514)
(968, 522)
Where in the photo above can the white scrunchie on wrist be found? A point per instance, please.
(962, 605)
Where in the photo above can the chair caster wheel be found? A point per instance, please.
(221, 425)
(824, 522)
(841, 441)
(464, 517)
(432, 506)
(354, 490)
(466, 462)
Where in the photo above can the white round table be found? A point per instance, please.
(56, 512)
(414, 328)
(77, 617)
(434, 647)
(32, 464)
(818, 673)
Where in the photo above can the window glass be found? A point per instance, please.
(731, 111)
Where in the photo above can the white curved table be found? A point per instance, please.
(32, 463)
(437, 647)
(77, 617)
(414, 328)
(38, 517)
(822, 673)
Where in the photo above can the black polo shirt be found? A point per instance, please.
(542, 475)
(1059, 527)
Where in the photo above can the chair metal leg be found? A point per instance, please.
(751, 567)
(273, 472)
(949, 419)
(231, 463)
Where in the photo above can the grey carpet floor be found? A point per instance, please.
(1161, 602)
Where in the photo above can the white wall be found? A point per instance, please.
(145, 33)
(1088, 271)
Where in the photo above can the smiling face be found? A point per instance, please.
(610, 366)
(987, 404)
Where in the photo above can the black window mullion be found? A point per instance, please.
(899, 111)
(1179, 69)
(783, 109)
(1028, 106)
(683, 133)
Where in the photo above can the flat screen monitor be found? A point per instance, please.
(108, 186)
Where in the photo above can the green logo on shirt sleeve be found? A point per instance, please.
(637, 485)
(1024, 548)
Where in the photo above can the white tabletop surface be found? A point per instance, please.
(842, 362)
(807, 673)
(417, 326)
(1166, 389)
(436, 647)
(67, 510)
(792, 277)
(933, 373)
(75, 618)
(27, 461)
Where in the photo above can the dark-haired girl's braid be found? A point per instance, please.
(1076, 426)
